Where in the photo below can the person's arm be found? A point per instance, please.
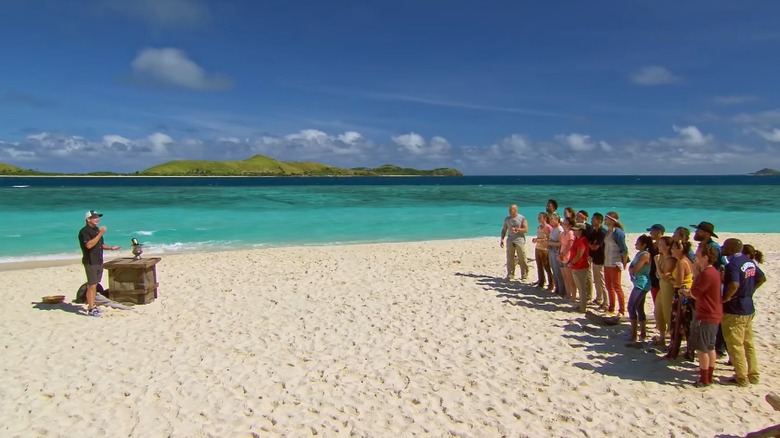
(680, 269)
(620, 238)
(524, 226)
(95, 240)
(760, 277)
(670, 269)
(110, 248)
(578, 256)
(730, 281)
(731, 291)
(503, 233)
(556, 243)
(643, 260)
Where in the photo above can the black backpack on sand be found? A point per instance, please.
(81, 294)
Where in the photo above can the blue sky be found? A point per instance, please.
(501, 87)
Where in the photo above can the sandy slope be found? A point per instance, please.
(367, 340)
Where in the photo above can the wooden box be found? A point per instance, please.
(133, 281)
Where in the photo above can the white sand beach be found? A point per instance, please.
(411, 339)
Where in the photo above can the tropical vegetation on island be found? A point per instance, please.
(766, 172)
(259, 165)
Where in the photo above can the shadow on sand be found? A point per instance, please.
(63, 307)
(610, 353)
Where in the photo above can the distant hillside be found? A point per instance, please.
(766, 172)
(260, 165)
(389, 169)
(7, 169)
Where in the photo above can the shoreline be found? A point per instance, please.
(109, 255)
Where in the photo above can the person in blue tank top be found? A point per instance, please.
(639, 270)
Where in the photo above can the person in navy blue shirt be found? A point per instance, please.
(741, 278)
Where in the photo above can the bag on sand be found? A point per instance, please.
(81, 294)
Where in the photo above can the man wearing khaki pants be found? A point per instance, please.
(516, 226)
(741, 277)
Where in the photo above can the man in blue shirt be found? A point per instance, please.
(741, 279)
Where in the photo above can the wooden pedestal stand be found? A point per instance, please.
(133, 281)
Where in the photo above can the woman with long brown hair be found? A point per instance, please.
(615, 261)
(682, 309)
(665, 265)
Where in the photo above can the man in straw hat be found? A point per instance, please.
(704, 233)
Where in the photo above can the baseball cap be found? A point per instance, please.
(658, 227)
(92, 213)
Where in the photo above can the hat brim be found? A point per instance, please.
(712, 233)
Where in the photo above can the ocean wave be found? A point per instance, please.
(149, 250)
(41, 258)
(144, 233)
(179, 247)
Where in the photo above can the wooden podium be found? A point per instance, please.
(133, 281)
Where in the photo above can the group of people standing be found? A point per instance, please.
(704, 295)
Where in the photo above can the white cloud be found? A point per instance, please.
(764, 119)
(416, 145)
(733, 99)
(653, 75)
(159, 143)
(454, 104)
(171, 67)
(687, 137)
(412, 143)
(111, 139)
(161, 14)
(516, 144)
(234, 140)
(577, 142)
(350, 137)
(312, 144)
(690, 150)
(773, 135)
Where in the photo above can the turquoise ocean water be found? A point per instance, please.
(41, 216)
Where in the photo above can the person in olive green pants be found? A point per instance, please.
(741, 279)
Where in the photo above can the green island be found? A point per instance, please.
(766, 172)
(258, 165)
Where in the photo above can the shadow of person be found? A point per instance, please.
(611, 355)
(520, 294)
(63, 307)
(605, 341)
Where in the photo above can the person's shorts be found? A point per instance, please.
(94, 273)
(703, 335)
